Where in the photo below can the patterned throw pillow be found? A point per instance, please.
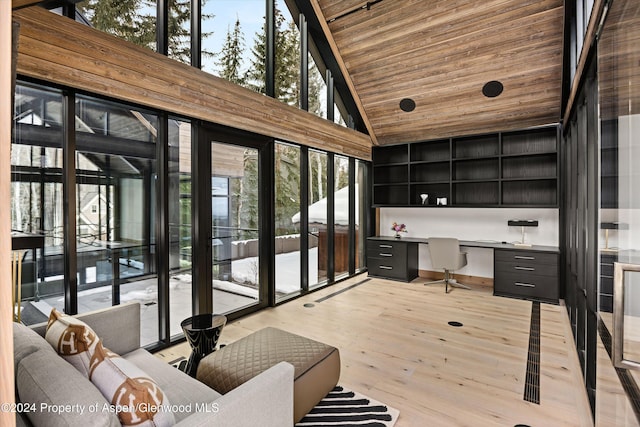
(73, 339)
(133, 396)
(136, 398)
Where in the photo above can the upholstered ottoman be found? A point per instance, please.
(317, 365)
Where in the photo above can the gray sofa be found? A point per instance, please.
(45, 382)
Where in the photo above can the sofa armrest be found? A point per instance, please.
(118, 326)
(266, 401)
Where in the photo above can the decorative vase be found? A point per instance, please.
(397, 236)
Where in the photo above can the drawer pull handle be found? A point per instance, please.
(524, 257)
(384, 267)
(383, 254)
(525, 268)
(386, 246)
(526, 285)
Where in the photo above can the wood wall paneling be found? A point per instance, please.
(56, 49)
(7, 393)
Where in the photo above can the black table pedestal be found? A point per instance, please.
(202, 332)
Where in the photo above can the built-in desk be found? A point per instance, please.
(521, 272)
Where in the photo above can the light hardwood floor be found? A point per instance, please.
(396, 347)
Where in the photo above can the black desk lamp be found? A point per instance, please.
(522, 223)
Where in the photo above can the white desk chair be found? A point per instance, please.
(446, 255)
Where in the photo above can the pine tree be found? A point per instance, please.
(316, 86)
(287, 184)
(231, 55)
(135, 21)
(287, 61)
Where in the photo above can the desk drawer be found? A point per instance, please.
(380, 268)
(526, 285)
(382, 249)
(527, 268)
(525, 258)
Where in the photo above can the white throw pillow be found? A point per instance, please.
(136, 398)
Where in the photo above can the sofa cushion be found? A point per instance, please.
(137, 398)
(25, 342)
(184, 392)
(46, 380)
(73, 339)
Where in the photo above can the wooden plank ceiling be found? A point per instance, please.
(440, 53)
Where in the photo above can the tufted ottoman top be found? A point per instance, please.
(238, 362)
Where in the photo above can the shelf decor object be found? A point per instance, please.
(522, 223)
(606, 226)
(398, 228)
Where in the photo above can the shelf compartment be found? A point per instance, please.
(434, 191)
(475, 147)
(475, 169)
(390, 174)
(390, 155)
(530, 141)
(392, 195)
(476, 193)
(542, 192)
(537, 166)
(431, 151)
(430, 172)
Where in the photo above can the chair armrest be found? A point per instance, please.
(266, 401)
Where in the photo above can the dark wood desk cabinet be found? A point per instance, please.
(392, 259)
(528, 274)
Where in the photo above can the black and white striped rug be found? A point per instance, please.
(341, 408)
(346, 408)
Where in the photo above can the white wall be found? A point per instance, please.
(484, 224)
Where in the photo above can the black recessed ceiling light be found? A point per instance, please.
(492, 89)
(407, 105)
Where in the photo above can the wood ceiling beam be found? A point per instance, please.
(343, 69)
(19, 4)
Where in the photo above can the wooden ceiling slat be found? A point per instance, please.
(440, 53)
(520, 35)
(427, 26)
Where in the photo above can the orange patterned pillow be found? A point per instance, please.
(73, 339)
(136, 398)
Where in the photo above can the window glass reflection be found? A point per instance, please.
(341, 203)
(36, 196)
(318, 237)
(287, 218)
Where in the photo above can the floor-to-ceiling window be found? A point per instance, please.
(618, 246)
(115, 208)
(180, 235)
(287, 219)
(341, 215)
(235, 241)
(317, 209)
(120, 224)
(36, 193)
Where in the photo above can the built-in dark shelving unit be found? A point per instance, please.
(510, 169)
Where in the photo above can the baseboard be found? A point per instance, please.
(462, 278)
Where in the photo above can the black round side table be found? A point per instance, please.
(202, 332)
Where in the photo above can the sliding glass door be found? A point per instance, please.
(235, 226)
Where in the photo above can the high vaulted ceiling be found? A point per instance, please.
(440, 54)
